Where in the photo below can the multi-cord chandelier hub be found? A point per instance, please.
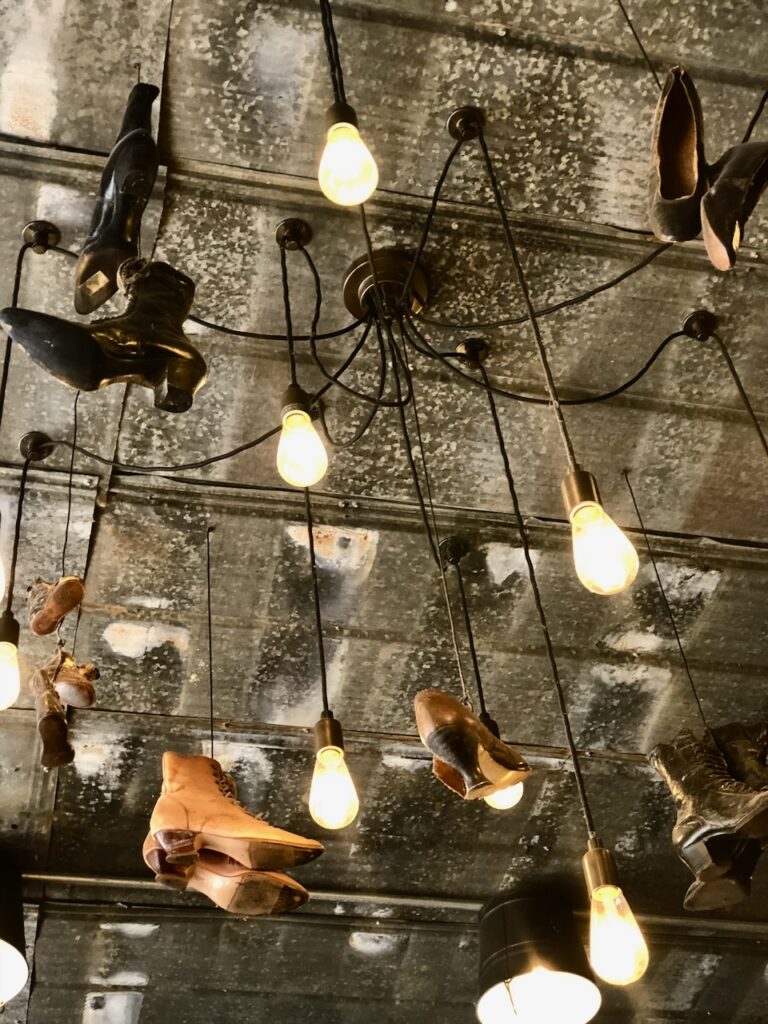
(390, 274)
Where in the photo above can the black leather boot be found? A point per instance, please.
(126, 185)
(739, 178)
(678, 169)
(730, 888)
(468, 758)
(144, 345)
(51, 722)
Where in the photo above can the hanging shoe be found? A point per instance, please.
(48, 603)
(709, 801)
(739, 178)
(745, 749)
(126, 185)
(227, 883)
(144, 345)
(730, 888)
(74, 683)
(468, 758)
(678, 168)
(51, 723)
(197, 808)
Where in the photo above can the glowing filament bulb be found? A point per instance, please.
(301, 456)
(505, 798)
(10, 680)
(617, 949)
(333, 801)
(348, 174)
(606, 562)
(540, 996)
(13, 972)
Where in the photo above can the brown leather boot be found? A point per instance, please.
(196, 808)
(227, 883)
(468, 759)
(48, 603)
(745, 749)
(730, 888)
(51, 722)
(74, 683)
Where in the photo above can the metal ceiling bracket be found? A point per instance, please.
(474, 350)
(36, 446)
(293, 233)
(700, 325)
(392, 268)
(465, 123)
(454, 548)
(41, 235)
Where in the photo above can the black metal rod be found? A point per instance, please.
(16, 536)
(316, 596)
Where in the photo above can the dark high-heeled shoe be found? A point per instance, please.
(126, 185)
(678, 168)
(468, 758)
(144, 345)
(729, 888)
(739, 178)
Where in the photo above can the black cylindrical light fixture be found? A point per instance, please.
(13, 962)
(533, 966)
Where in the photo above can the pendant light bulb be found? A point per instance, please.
(13, 964)
(333, 800)
(617, 950)
(13, 972)
(347, 174)
(301, 456)
(10, 678)
(505, 798)
(605, 560)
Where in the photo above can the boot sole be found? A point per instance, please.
(718, 253)
(259, 895)
(181, 847)
(68, 598)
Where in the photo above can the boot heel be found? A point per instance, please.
(453, 744)
(178, 844)
(704, 863)
(177, 389)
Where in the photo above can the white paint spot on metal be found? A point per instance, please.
(135, 639)
(346, 549)
(408, 764)
(375, 943)
(150, 601)
(129, 929)
(123, 979)
(112, 1007)
(635, 640)
(503, 561)
(28, 93)
(101, 761)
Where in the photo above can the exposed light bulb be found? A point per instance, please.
(347, 174)
(617, 950)
(540, 996)
(2, 578)
(505, 798)
(605, 560)
(13, 972)
(301, 456)
(333, 800)
(10, 680)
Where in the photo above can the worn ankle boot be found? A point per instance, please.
(126, 185)
(51, 723)
(228, 884)
(197, 808)
(468, 759)
(745, 749)
(144, 345)
(709, 800)
(730, 888)
(48, 603)
(739, 179)
(74, 683)
(678, 168)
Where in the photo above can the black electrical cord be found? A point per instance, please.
(367, 421)
(742, 392)
(208, 533)
(287, 312)
(316, 596)
(470, 638)
(69, 486)
(555, 671)
(332, 51)
(16, 537)
(14, 302)
(639, 42)
(755, 117)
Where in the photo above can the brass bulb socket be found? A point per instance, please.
(577, 488)
(9, 629)
(294, 399)
(340, 113)
(598, 866)
(328, 732)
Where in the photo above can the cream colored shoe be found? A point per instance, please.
(197, 808)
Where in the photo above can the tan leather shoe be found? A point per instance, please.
(48, 603)
(469, 759)
(74, 683)
(226, 883)
(197, 808)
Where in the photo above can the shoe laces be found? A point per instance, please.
(227, 787)
(712, 759)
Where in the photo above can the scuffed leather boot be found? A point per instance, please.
(126, 185)
(468, 758)
(144, 345)
(197, 808)
(51, 722)
(739, 179)
(732, 887)
(74, 683)
(678, 169)
(227, 883)
(48, 603)
(709, 800)
(745, 749)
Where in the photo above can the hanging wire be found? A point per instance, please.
(633, 30)
(208, 533)
(332, 51)
(665, 602)
(742, 392)
(14, 302)
(470, 637)
(523, 285)
(755, 117)
(554, 670)
(316, 596)
(69, 486)
(287, 310)
(16, 536)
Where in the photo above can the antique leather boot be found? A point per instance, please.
(126, 185)
(144, 345)
(745, 749)
(730, 888)
(48, 603)
(197, 808)
(710, 802)
(74, 683)
(739, 178)
(228, 884)
(678, 169)
(468, 758)
(51, 722)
